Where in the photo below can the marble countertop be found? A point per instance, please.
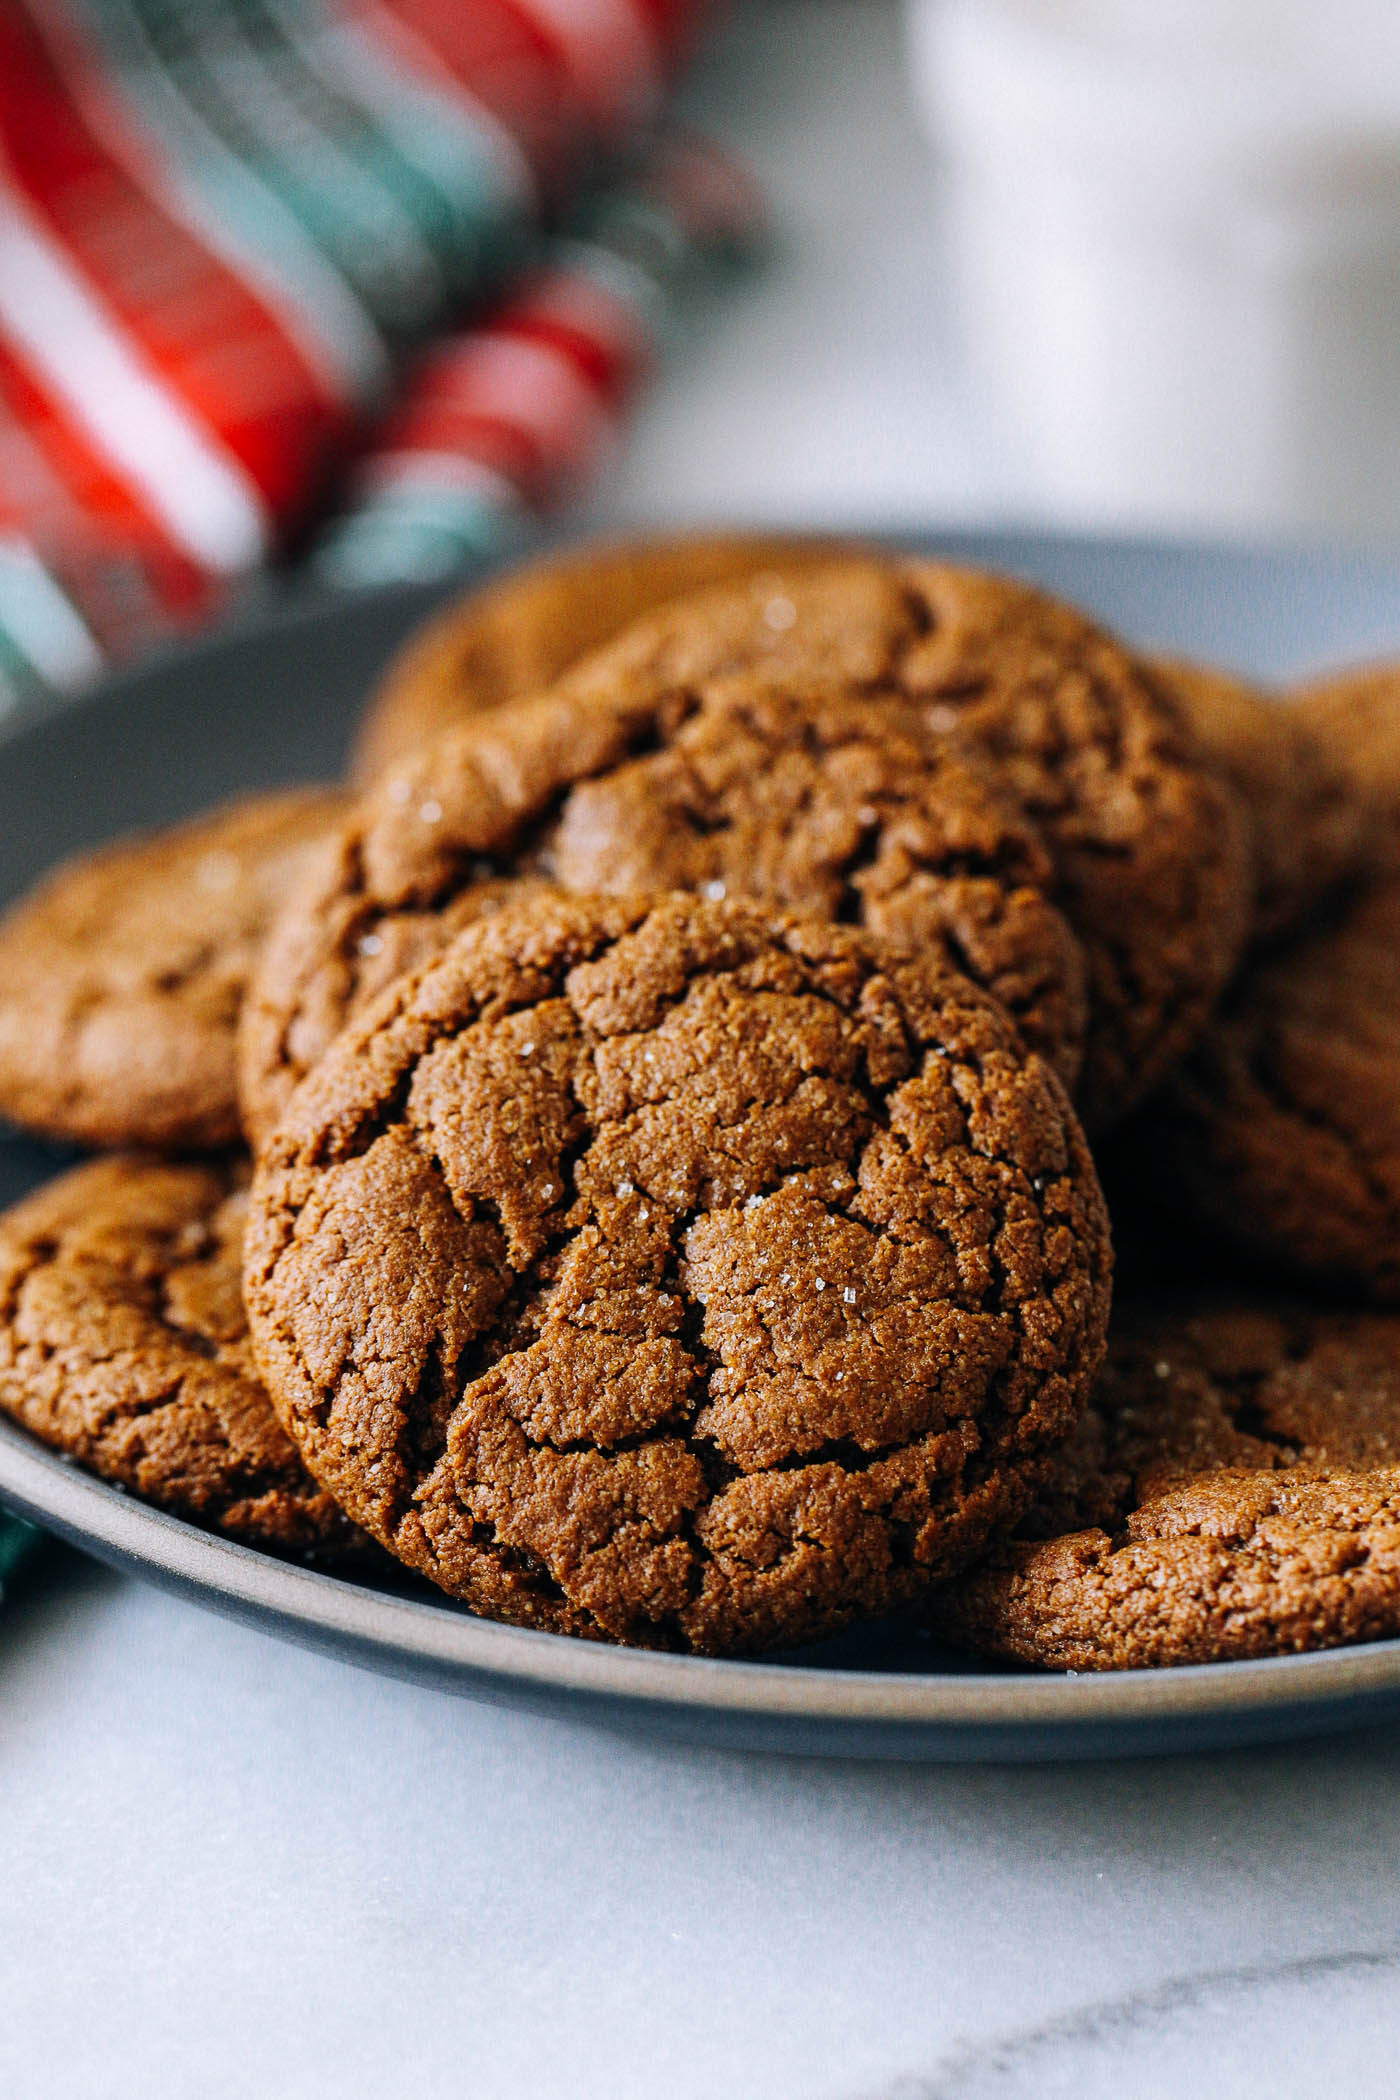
(232, 1868)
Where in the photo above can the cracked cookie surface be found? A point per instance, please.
(1232, 1490)
(1280, 1133)
(517, 633)
(805, 797)
(123, 1343)
(329, 953)
(122, 973)
(1149, 848)
(678, 1273)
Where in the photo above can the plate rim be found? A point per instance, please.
(376, 1624)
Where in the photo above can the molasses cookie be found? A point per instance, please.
(327, 956)
(515, 635)
(122, 974)
(810, 798)
(678, 1273)
(123, 1344)
(1280, 1133)
(1149, 847)
(1232, 1490)
(1311, 828)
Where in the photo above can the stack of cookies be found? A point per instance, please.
(636, 1155)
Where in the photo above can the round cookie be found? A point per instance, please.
(515, 635)
(1232, 1490)
(1150, 848)
(1356, 714)
(813, 799)
(1311, 828)
(122, 974)
(123, 1343)
(678, 1273)
(1280, 1133)
(329, 953)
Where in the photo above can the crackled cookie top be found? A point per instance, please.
(515, 635)
(1281, 1132)
(1149, 847)
(804, 796)
(1232, 1489)
(329, 953)
(123, 1343)
(121, 976)
(1311, 827)
(678, 1273)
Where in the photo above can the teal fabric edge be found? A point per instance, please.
(17, 1542)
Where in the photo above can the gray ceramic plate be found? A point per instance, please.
(274, 700)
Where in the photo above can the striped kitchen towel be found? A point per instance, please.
(501, 423)
(245, 244)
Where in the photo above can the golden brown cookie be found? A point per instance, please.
(1149, 860)
(517, 633)
(1311, 828)
(1150, 848)
(123, 1344)
(122, 974)
(679, 1273)
(814, 799)
(851, 808)
(1232, 1490)
(1280, 1133)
